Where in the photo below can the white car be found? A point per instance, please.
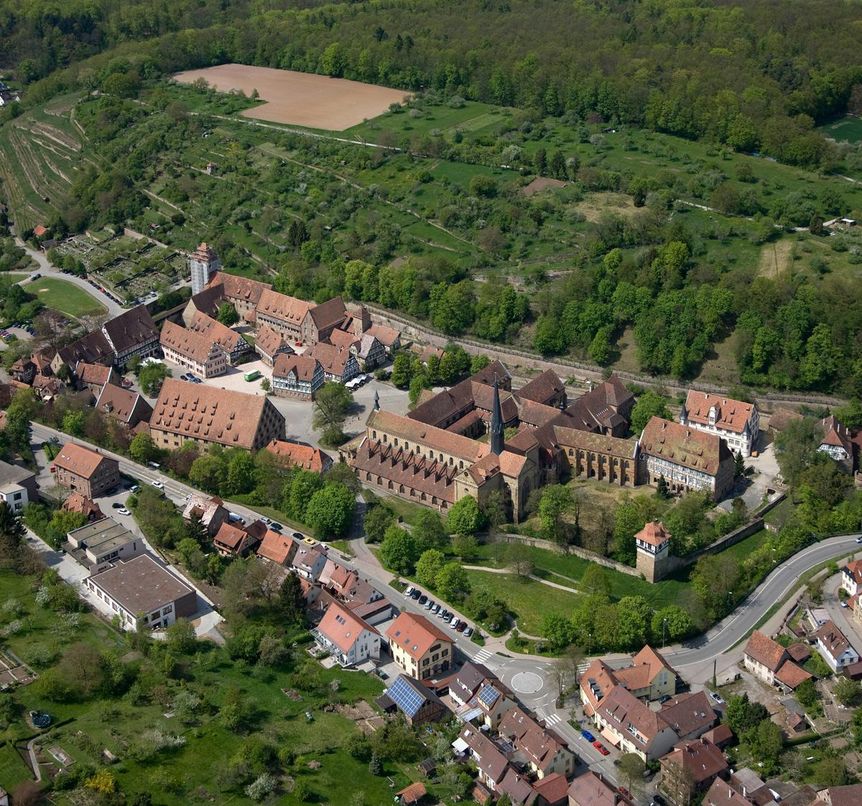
(158, 484)
(408, 590)
(123, 511)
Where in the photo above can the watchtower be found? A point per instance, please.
(653, 551)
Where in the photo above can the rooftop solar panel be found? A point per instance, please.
(488, 695)
(405, 696)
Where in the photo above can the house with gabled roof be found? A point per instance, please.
(193, 351)
(270, 343)
(836, 442)
(277, 548)
(591, 789)
(126, 406)
(228, 339)
(85, 471)
(339, 363)
(649, 677)
(416, 702)
(297, 376)
(630, 725)
(538, 747)
(690, 714)
(296, 454)
(851, 577)
(735, 421)
(419, 646)
(233, 541)
(690, 768)
(209, 509)
(132, 334)
(491, 762)
(308, 561)
(835, 647)
(347, 637)
(770, 662)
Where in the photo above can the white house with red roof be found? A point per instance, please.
(347, 637)
(736, 422)
(851, 577)
(419, 646)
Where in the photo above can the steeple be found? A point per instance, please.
(376, 400)
(496, 422)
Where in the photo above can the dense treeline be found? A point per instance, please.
(754, 76)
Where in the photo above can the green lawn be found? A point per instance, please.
(848, 129)
(63, 296)
(527, 599)
(13, 770)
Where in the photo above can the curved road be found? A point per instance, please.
(47, 270)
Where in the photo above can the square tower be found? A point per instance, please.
(203, 263)
(653, 551)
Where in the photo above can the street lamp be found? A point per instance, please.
(664, 632)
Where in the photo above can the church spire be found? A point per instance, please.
(376, 400)
(496, 422)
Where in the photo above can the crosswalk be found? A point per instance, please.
(553, 719)
(483, 656)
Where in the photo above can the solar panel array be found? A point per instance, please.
(488, 695)
(407, 698)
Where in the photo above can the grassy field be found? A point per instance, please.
(848, 129)
(63, 296)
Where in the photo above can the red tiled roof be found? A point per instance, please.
(833, 640)
(79, 460)
(281, 306)
(303, 366)
(684, 446)
(304, 456)
(654, 533)
(276, 547)
(415, 634)
(406, 428)
(792, 675)
(732, 415)
(764, 650)
(590, 789)
(188, 343)
(412, 793)
(342, 627)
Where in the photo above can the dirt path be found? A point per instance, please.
(541, 581)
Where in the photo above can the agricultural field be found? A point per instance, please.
(847, 129)
(63, 296)
(302, 99)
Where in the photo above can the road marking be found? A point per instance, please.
(553, 719)
(483, 655)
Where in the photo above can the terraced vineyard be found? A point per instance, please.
(42, 156)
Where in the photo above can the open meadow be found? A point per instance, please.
(303, 99)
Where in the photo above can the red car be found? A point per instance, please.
(601, 748)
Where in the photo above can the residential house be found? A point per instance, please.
(124, 405)
(208, 509)
(849, 795)
(102, 543)
(836, 442)
(297, 376)
(229, 340)
(542, 750)
(338, 363)
(630, 725)
(347, 637)
(143, 594)
(687, 459)
(93, 377)
(23, 370)
(833, 645)
(387, 336)
(721, 793)
(92, 348)
(277, 548)
(770, 662)
(736, 422)
(417, 703)
(47, 387)
(689, 769)
(233, 541)
(591, 789)
(466, 682)
(493, 701)
(132, 334)
(370, 352)
(85, 471)
(189, 412)
(851, 577)
(193, 351)
(649, 677)
(270, 343)
(296, 454)
(17, 487)
(491, 762)
(552, 790)
(690, 715)
(419, 646)
(517, 788)
(83, 506)
(308, 561)
(322, 319)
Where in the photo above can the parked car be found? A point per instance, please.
(116, 505)
(423, 599)
(135, 488)
(429, 604)
(468, 632)
(416, 594)
(859, 539)
(461, 627)
(601, 748)
(588, 736)
(158, 484)
(275, 526)
(444, 614)
(455, 623)
(436, 609)
(123, 511)
(408, 591)
(716, 697)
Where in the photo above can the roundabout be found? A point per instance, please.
(527, 683)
